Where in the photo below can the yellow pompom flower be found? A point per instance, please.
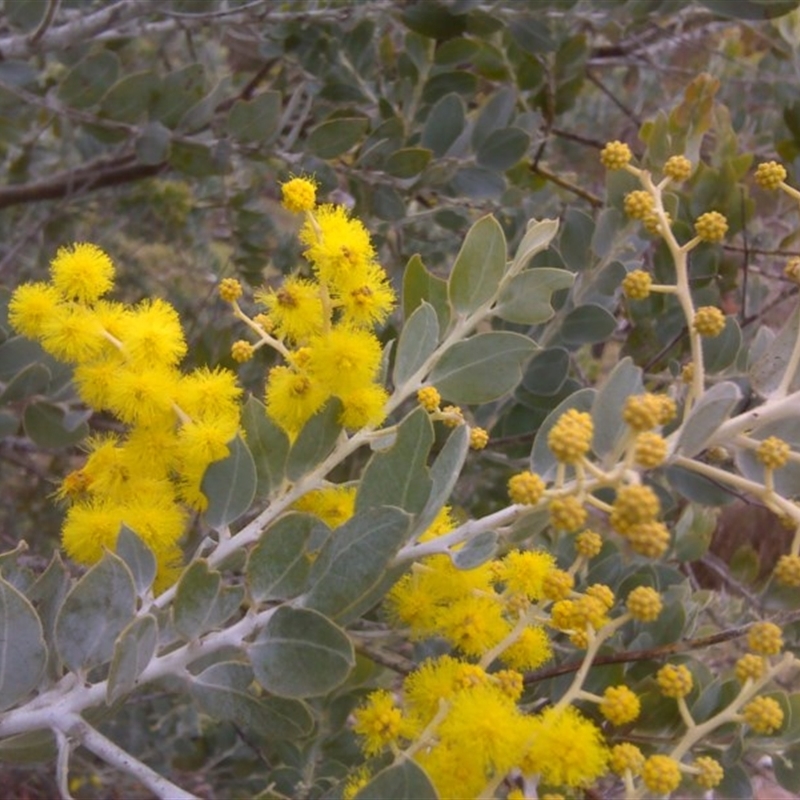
(363, 407)
(626, 757)
(620, 705)
(633, 505)
(710, 772)
(770, 174)
(530, 650)
(526, 488)
(649, 539)
(773, 452)
(369, 303)
(588, 544)
(230, 289)
(299, 194)
(615, 155)
(429, 398)
(763, 715)
(567, 513)
(211, 395)
(378, 722)
(642, 411)
(661, 774)
(750, 666)
(474, 624)
(144, 396)
(356, 782)
(345, 360)
(674, 680)
(569, 749)
(32, 305)
(603, 593)
(765, 638)
(478, 438)
(571, 436)
(644, 603)
(295, 309)
(678, 168)
(787, 571)
(557, 584)
(453, 416)
(636, 284)
(711, 226)
(524, 572)
(649, 450)
(708, 321)
(74, 334)
(334, 505)
(82, 272)
(293, 398)
(151, 334)
(242, 351)
(638, 204)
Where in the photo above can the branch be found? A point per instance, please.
(82, 29)
(95, 175)
(590, 198)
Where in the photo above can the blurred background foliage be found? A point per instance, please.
(161, 130)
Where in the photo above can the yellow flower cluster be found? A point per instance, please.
(638, 204)
(615, 155)
(571, 436)
(770, 174)
(636, 284)
(787, 571)
(646, 411)
(750, 666)
(633, 515)
(644, 604)
(773, 452)
(661, 774)
(126, 363)
(674, 680)
(708, 321)
(649, 450)
(765, 639)
(626, 757)
(323, 324)
(711, 226)
(709, 772)
(567, 513)
(620, 705)
(678, 168)
(763, 715)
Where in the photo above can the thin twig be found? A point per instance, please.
(46, 21)
(590, 198)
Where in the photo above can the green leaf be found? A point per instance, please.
(139, 558)
(28, 748)
(750, 9)
(420, 285)
(177, 93)
(23, 653)
(94, 613)
(47, 594)
(405, 780)
(785, 479)
(444, 125)
(457, 81)
(494, 115)
(153, 144)
(133, 651)
(543, 461)
(33, 379)
(532, 35)
(268, 444)
(316, 441)
(353, 560)
(713, 408)
(387, 203)
(201, 602)
(479, 266)
(787, 768)
(538, 236)
(408, 162)
(478, 183)
(697, 488)
(255, 120)
(768, 370)
(89, 79)
(693, 532)
(503, 149)
(574, 244)
(547, 371)
(129, 98)
(398, 476)
(336, 136)
(221, 692)
(229, 485)
(278, 566)
(526, 298)
(418, 340)
(301, 653)
(482, 368)
(444, 473)
(587, 324)
(721, 351)
(47, 425)
(193, 159)
(625, 380)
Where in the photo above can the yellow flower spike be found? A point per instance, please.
(230, 289)
(299, 194)
(678, 168)
(615, 155)
(765, 639)
(636, 284)
(711, 226)
(708, 321)
(674, 680)
(82, 272)
(787, 572)
(644, 604)
(526, 488)
(661, 774)
(620, 705)
(763, 715)
(770, 174)
(626, 757)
